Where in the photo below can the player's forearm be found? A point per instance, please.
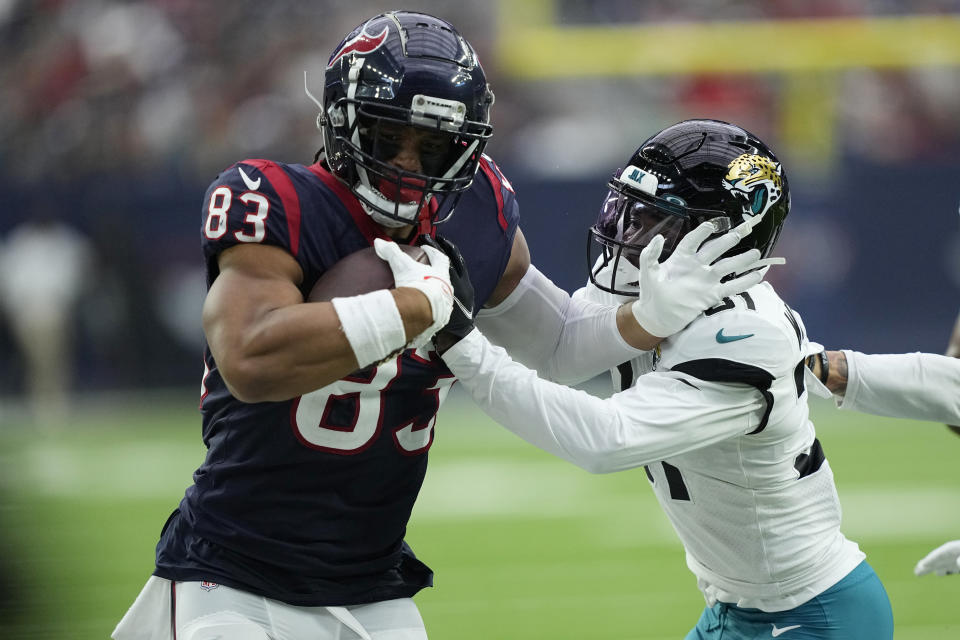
(631, 331)
(505, 391)
(650, 422)
(414, 308)
(916, 386)
(575, 339)
(593, 339)
(838, 372)
(835, 371)
(284, 353)
(296, 349)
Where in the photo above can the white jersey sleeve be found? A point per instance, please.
(574, 340)
(624, 373)
(916, 386)
(659, 416)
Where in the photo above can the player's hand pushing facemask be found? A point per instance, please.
(674, 293)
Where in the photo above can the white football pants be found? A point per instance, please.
(207, 611)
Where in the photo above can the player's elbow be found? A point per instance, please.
(590, 466)
(592, 457)
(604, 453)
(250, 374)
(242, 381)
(597, 463)
(248, 380)
(563, 375)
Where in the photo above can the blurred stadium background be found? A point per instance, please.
(114, 116)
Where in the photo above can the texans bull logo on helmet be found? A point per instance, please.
(362, 44)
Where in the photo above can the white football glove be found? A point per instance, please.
(944, 560)
(433, 280)
(674, 293)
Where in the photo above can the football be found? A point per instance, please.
(360, 272)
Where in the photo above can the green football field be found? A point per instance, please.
(523, 545)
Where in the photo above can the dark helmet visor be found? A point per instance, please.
(630, 219)
(633, 223)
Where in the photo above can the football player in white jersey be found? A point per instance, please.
(718, 414)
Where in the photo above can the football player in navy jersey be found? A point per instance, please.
(717, 415)
(318, 416)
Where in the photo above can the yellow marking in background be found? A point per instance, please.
(808, 52)
(808, 119)
(525, 12)
(546, 51)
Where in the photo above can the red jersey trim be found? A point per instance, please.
(288, 196)
(494, 176)
(364, 222)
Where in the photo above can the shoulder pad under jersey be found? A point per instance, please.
(754, 329)
(253, 201)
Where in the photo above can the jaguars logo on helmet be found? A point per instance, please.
(757, 179)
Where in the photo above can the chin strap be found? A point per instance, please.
(367, 196)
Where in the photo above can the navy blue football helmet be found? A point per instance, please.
(693, 171)
(403, 69)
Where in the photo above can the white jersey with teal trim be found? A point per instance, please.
(719, 418)
(758, 513)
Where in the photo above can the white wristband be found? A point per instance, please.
(372, 324)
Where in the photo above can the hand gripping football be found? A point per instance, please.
(360, 272)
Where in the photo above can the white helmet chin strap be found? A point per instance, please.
(374, 203)
(380, 218)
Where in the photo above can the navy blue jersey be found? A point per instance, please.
(307, 500)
